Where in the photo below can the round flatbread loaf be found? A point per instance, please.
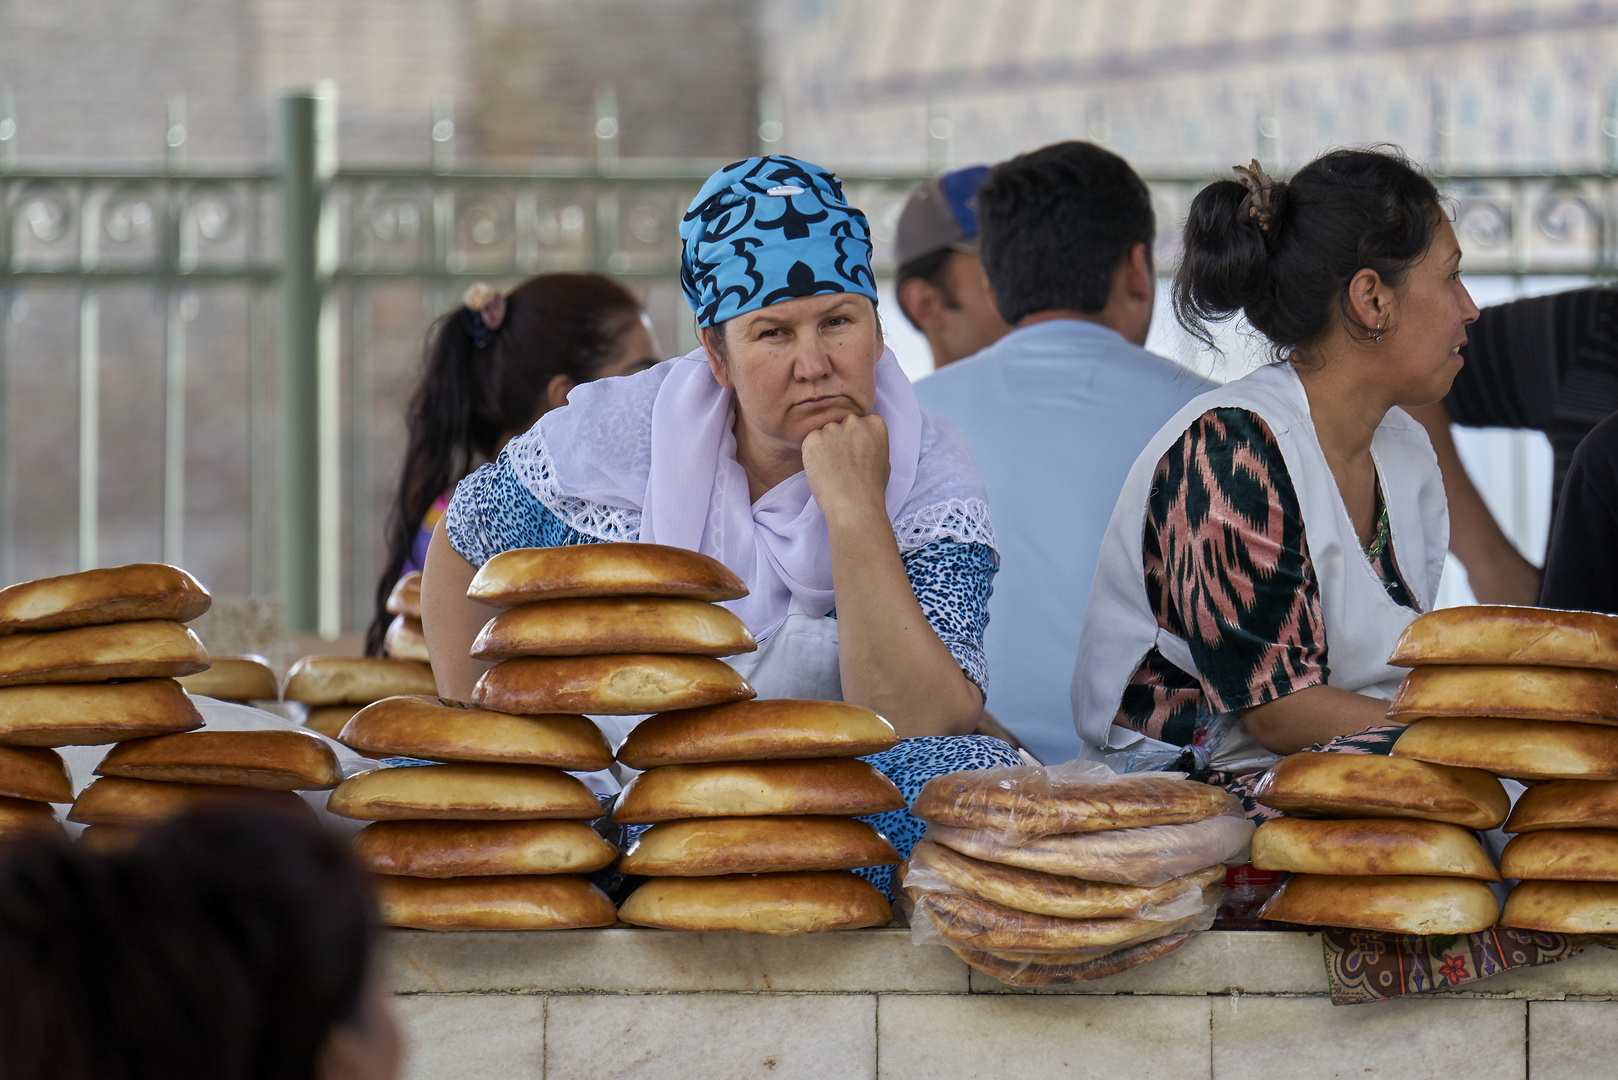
(1520, 749)
(532, 902)
(355, 680)
(235, 678)
(638, 624)
(1145, 856)
(329, 720)
(781, 904)
(439, 730)
(127, 650)
(1398, 905)
(1374, 785)
(276, 759)
(108, 839)
(1565, 804)
(26, 817)
(1526, 693)
(1062, 897)
(970, 923)
(1060, 969)
(113, 594)
(464, 793)
(35, 773)
(1016, 801)
(1497, 634)
(1563, 907)
(523, 575)
(89, 714)
(405, 599)
(845, 786)
(1562, 855)
(117, 800)
(609, 685)
(444, 849)
(1371, 846)
(705, 847)
(766, 730)
(405, 640)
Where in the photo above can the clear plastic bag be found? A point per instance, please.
(959, 921)
(1142, 856)
(1060, 969)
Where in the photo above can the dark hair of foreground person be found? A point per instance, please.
(226, 945)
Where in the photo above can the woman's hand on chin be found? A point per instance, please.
(846, 464)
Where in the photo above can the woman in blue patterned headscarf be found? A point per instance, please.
(790, 447)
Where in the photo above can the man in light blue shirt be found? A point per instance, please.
(1057, 410)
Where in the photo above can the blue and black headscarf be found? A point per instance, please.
(770, 229)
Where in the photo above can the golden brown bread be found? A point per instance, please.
(1565, 804)
(608, 685)
(235, 678)
(1563, 907)
(1050, 894)
(1520, 749)
(34, 772)
(1374, 785)
(1562, 855)
(755, 788)
(772, 729)
(779, 904)
(355, 680)
(1063, 968)
(1527, 693)
(625, 624)
(128, 650)
(1371, 846)
(112, 594)
(23, 816)
(443, 849)
(439, 730)
(704, 847)
(87, 714)
(1497, 634)
(277, 759)
(970, 923)
(330, 720)
(405, 599)
(1029, 800)
(463, 793)
(1398, 905)
(1144, 856)
(405, 640)
(108, 839)
(523, 575)
(532, 902)
(117, 800)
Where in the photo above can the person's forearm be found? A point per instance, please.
(1495, 568)
(450, 621)
(1312, 715)
(890, 658)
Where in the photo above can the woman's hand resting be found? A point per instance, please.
(846, 464)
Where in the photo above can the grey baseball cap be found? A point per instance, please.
(942, 213)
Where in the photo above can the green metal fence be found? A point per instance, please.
(332, 275)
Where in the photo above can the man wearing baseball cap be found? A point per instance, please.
(940, 283)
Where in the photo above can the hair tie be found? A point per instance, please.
(483, 309)
(1256, 205)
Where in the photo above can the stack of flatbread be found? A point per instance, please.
(1379, 843)
(331, 689)
(240, 680)
(1566, 855)
(1058, 875)
(753, 811)
(493, 834)
(404, 639)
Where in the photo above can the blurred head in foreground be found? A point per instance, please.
(225, 945)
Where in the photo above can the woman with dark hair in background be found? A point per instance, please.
(226, 945)
(495, 365)
(1294, 510)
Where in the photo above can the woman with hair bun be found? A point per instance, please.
(494, 365)
(1278, 534)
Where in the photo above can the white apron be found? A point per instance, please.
(1362, 622)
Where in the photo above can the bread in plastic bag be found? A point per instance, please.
(1145, 856)
(1015, 803)
(1056, 969)
(946, 918)
(934, 868)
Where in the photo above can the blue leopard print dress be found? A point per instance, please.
(493, 512)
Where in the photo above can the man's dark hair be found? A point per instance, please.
(1054, 225)
(931, 269)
